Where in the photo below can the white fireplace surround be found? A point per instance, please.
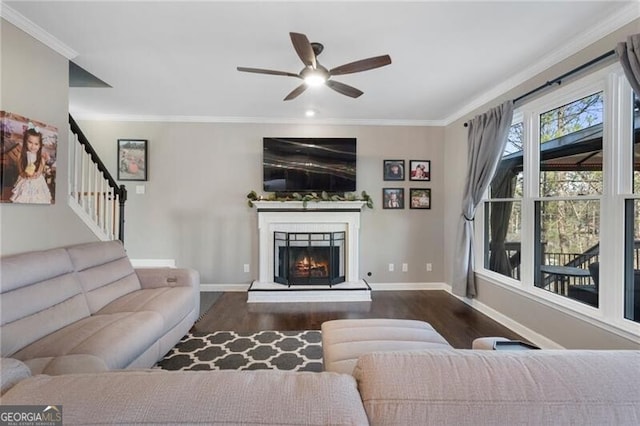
(323, 216)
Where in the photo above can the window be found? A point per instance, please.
(552, 219)
(567, 223)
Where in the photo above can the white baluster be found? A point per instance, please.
(116, 216)
(101, 203)
(96, 193)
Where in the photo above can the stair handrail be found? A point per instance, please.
(119, 190)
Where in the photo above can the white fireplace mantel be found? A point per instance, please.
(311, 205)
(322, 216)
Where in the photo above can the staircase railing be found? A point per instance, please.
(93, 193)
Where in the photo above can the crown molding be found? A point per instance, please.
(28, 26)
(254, 120)
(603, 28)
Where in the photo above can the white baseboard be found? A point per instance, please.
(153, 263)
(527, 333)
(409, 286)
(224, 287)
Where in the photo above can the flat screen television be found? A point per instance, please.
(309, 164)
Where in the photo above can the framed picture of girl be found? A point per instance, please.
(28, 158)
(420, 170)
(393, 198)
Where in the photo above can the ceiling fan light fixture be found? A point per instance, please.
(314, 79)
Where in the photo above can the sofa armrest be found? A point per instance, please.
(168, 277)
(11, 372)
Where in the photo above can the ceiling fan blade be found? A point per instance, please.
(271, 72)
(303, 49)
(296, 92)
(362, 65)
(344, 88)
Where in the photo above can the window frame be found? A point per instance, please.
(617, 187)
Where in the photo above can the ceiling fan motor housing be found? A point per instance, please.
(317, 48)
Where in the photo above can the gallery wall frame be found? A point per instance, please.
(420, 170)
(393, 169)
(393, 198)
(133, 162)
(420, 198)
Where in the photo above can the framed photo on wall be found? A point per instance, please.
(393, 198)
(28, 158)
(420, 198)
(420, 170)
(132, 159)
(393, 169)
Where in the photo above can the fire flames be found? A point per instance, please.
(307, 266)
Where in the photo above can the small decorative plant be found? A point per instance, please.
(312, 196)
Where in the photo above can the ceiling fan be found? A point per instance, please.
(315, 74)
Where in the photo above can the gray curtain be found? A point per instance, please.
(486, 141)
(629, 55)
(502, 186)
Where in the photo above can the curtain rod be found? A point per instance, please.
(558, 80)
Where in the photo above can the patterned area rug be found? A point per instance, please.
(230, 350)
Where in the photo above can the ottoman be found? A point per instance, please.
(343, 341)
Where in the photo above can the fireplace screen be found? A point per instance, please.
(309, 257)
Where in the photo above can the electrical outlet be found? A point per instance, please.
(429, 267)
(391, 267)
(405, 267)
(246, 267)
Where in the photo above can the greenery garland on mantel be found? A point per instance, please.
(312, 196)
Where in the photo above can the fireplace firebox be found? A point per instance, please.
(308, 258)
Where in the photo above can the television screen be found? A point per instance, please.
(309, 164)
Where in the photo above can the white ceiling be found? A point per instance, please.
(177, 60)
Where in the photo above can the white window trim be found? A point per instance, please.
(617, 186)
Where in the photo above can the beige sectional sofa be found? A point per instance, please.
(81, 314)
(84, 308)
(427, 387)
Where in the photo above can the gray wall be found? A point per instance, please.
(564, 329)
(35, 85)
(195, 211)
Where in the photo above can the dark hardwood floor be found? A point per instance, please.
(457, 322)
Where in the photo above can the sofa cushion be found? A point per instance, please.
(197, 397)
(104, 271)
(21, 270)
(501, 387)
(40, 294)
(118, 339)
(172, 303)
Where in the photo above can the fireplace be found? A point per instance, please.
(308, 252)
(309, 258)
